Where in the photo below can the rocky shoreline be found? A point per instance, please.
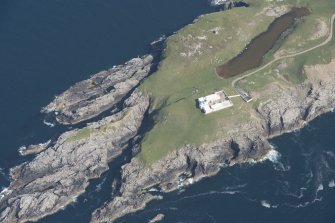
(89, 98)
(248, 143)
(61, 169)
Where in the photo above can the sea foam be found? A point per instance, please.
(48, 123)
(273, 156)
(2, 172)
(218, 2)
(320, 188)
(265, 204)
(160, 39)
(4, 193)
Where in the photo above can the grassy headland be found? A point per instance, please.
(187, 71)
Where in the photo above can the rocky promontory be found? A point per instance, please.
(180, 168)
(248, 142)
(61, 170)
(89, 98)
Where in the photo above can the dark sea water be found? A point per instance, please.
(46, 46)
(297, 184)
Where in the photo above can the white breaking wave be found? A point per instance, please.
(273, 156)
(317, 196)
(4, 193)
(99, 186)
(2, 172)
(160, 39)
(230, 192)
(239, 186)
(331, 183)
(330, 154)
(21, 149)
(218, 2)
(302, 205)
(320, 188)
(74, 199)
(310, 176)
(47, 110)
(153, 190)
(266, 204)
(300, 195)
(48, 123)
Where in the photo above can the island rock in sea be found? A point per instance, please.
(100, 92)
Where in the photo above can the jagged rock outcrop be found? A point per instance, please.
(89, 98)
(33, 149)
(61, 171)
(294, 107)
(182, 167)
(290, 110)
(62, 168)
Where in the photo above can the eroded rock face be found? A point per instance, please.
(89, 98)
(62, 169)
(290, 110)
(184, 166)
(294, 107)
(61, 172)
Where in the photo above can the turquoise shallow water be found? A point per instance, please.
(46, 46)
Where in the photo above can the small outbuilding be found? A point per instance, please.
(244, 95)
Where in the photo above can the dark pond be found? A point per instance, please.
(253, 54)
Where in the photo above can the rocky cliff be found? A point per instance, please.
(62, 169)
(88, 98)
(290, 110)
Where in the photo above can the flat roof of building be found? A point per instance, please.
(214, 102)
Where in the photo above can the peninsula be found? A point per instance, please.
(156, 115)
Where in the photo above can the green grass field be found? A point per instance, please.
(187, 72)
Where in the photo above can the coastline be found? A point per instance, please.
(192, 163)
(189, 162)
(294, 111)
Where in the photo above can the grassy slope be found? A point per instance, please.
(187, 72)
(298, 41)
